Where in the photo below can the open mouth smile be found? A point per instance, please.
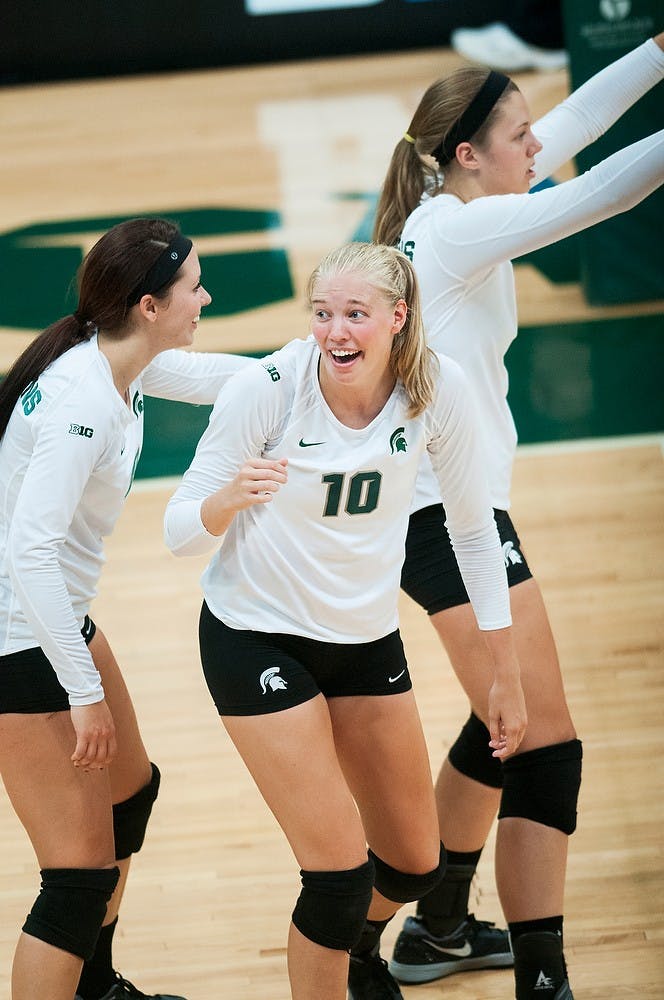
(341, 357)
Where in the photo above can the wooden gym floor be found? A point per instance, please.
(207, 907)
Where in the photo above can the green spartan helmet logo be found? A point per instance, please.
(398, 441)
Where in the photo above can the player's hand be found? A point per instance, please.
(507, 717)
(256, 482)
(96, 745)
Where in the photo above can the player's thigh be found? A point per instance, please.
(548, 715)
(65, 810)
(293, 760)
(549, 719)
(382, 750)
(468, 653)
(130, 770)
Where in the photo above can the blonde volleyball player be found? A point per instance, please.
(302, 485)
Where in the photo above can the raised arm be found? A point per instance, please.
(596, 105)
(495, 228)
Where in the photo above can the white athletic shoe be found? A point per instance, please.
(498, 47)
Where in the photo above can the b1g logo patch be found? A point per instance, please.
(272, 372)
(85, 432)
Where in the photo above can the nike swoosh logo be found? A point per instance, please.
(393, 679)
(309, 444)
(457, 952)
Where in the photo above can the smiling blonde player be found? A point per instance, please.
(303, 484)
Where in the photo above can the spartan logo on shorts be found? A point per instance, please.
(511, 555)
(271, 681)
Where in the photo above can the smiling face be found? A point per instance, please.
(180, 311)
(354, 325)
(505, 159)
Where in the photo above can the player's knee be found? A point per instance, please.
(402, 887)
(70, 909)
(471, 754)
(332, 906)
(543, 785)
(130, 818)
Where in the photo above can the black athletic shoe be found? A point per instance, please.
(369, 979)
(122, 989)
(420, 957)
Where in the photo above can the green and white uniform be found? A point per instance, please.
(462, 253)
(67, 459)
(323, 558)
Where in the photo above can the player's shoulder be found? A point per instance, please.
(78, 378)
(450, 382)
(278, 373)
(289, 361)
(447, 371)
(269, 385)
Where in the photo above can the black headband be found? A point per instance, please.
(477, 112)
(163, 269)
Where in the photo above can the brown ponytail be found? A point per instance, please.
(412, 169)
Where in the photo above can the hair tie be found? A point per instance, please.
(409, 138)
(82, 323)
(477, 112)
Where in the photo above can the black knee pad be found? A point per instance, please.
(130, 818)
(332, 907)
(471, 754)
(71, 907)
(402, 887)
(543, 785)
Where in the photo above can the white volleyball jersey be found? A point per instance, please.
(67, 459)
(462, 252)
(323, 558)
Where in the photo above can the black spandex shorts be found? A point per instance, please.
(255, 673)
(28, 682)
(430, 573)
